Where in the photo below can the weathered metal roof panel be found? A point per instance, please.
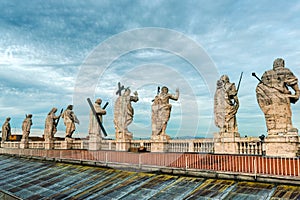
(32, 179)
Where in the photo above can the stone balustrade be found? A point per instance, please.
(141, 143)
(188, 145)
(250, 146)
(238, 145)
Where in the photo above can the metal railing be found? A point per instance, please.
(245, 164)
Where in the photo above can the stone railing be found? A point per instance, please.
(188, 145)
(108, 145)
(204, 145)
(10, 145)
(273, 146)
(250, 146)
(141, 143)
(36, 145)
(58, 144)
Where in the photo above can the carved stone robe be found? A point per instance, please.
(94, 128)
(123, 113)
(6, 131)
(50, 125)
(69, 120)
(226, 105)
(161, 111)
(274, 99)
(26, 125)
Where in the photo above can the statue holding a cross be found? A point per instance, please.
(123, 112)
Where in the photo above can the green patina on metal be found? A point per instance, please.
(32, 179)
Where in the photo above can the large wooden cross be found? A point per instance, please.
(97, 117)
(120, 88)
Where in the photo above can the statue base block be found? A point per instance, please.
(226, 136)
(94, 142)
(123, 145)
(226, 142)
(292, 132)
(24, 144)
(67, 144)
(49, 144)
(160, 143)
(285, 146)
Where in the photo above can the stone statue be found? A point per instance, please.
(123, 114)
(69, 120)
(226, 105)
(50, 124)
(94, 128)
(6, 130)
(26, 125)
(274, 98)
(161, 110)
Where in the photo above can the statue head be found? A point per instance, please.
(224, 79)
(8, 119)
(53, 110)
(278, 63)
(98, 101)
(164, 90)
(127, 92)
(29, 115)
(70, 107)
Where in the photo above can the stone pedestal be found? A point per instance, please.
(160, 143)
(123, 141)
(276, 133)
(67, 144)
(282, 145)
(123, 145)
(24, 144)
(226, 143)
(94, 142)
(49, 143)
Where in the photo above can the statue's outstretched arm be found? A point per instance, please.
(176, 96)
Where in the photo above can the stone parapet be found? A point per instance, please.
(67, 144)
(283, 146)
(94, 142)
(160, 143)
(123, 144)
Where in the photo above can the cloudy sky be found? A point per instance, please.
(55, 53)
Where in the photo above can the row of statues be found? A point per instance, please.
(123, 116)
(273, 96)
(272, 91)
(26, 125)
(51, 123)
(161, 110)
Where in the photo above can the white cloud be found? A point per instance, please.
(41, 53)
